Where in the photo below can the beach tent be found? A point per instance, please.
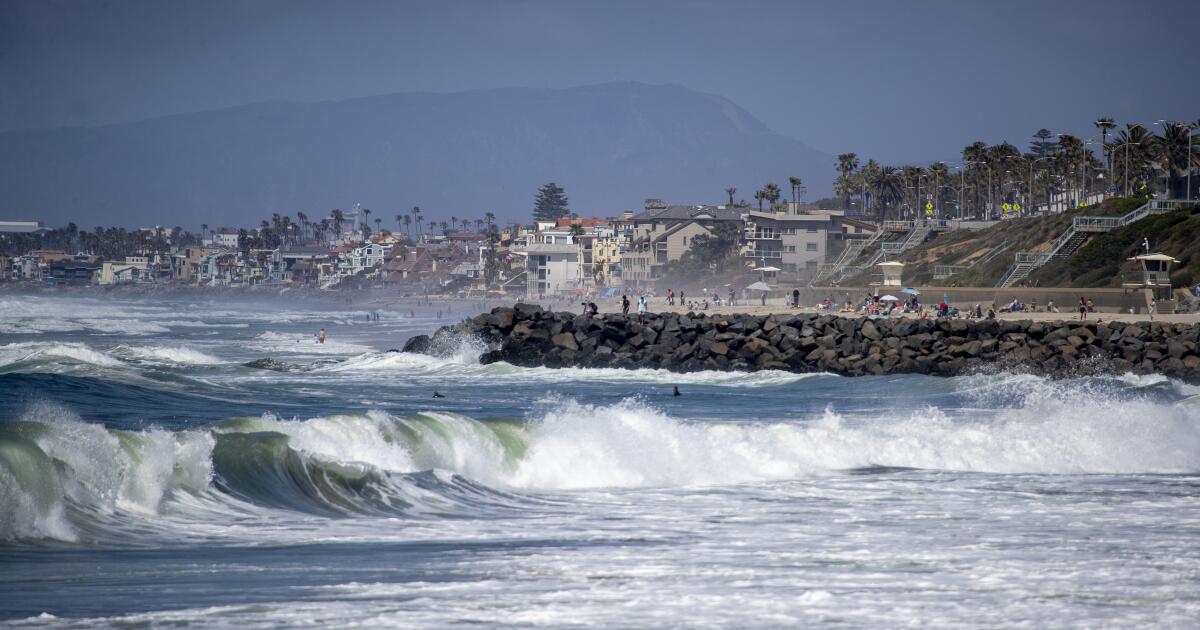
(889, 298)
(759, 286)
(910, 291)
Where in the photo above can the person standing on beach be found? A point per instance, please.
(625, 305)
(642, 310)
(1083, 308)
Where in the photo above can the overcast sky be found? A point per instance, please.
(893, 80)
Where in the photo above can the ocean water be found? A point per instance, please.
(147, 477)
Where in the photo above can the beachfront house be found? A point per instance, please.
(662, 233)
(797, 244)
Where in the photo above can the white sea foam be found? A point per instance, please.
(98, 470)
(27, 351)
(174, 354)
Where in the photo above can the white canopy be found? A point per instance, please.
(759, 286)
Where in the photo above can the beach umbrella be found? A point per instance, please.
(759, 286)
(910, 290)
(889, 298)
(768, 269)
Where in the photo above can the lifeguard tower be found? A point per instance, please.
(1151, 274)
(890, 274)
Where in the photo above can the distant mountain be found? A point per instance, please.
(610, 146)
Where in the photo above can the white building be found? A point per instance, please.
(795, 243)
(550, 268)
(223, 238)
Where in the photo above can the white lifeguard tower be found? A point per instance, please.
(1152, 276)
(890, 275)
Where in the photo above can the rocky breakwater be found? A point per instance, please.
(527, 335)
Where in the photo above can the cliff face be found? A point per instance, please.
(529, 336)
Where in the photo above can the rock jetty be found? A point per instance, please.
(527, 335)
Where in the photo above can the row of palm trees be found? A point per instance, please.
(281, 229)
(1060, 167)
(770, 193)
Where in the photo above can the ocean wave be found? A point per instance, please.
(61, 475)
(181, 355)
(302, 343)
(25, 352)
(463, 362)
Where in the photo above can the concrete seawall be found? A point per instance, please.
(526, 335)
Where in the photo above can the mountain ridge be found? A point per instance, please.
(464, 153)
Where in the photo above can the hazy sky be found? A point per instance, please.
(893, 80)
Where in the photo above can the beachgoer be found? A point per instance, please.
(625, 305)
(795, 298)
(1153, 306)
(642, 310)
(321, 336)
(1083, 309)
(675, 392)
(593, 310)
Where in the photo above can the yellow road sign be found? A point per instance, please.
(1017, 207)
(1006, 206)
(929, 205)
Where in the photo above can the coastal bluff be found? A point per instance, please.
(526, 335)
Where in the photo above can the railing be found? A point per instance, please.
(1146, 279)
(897, 226)
(1031, 258)
(991, 255)
(1097, 224)
(941, 272)
(892, 248)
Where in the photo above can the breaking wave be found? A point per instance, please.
(69, 480)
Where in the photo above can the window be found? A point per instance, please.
(791, 249)
(810, 247)
(812, 230)
(811, 264)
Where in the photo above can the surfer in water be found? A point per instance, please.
(321, 336)
(437, 394)
(675, 392)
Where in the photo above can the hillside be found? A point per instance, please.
(611, 146)
(1096, 264)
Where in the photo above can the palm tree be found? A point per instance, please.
(1168, 153)
(478, 225)
(1133, 143)
(866, 182)
(416, 215)
(1105, 125)
(399, 222)
(203, 228)
(366, 220)
(772, 193)
(445, 227)
(889, 188)
(338, 218)
(731, 191)
(378, 224)
(760, 196)
(795, 184)
(303, 219)
(453, 220)
(408, 226)
(489, 218)
(466, 224)
(846, 164)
